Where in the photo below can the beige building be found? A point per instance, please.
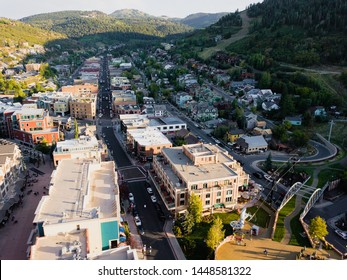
(80, 216)
(83, 106)
(146, 143)
(204, 169)
(11, 166)
(86, 147)
(81, 88)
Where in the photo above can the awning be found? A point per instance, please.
(218, 205)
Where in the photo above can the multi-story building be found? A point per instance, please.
(11, 166)
(168, 125)
(122, 83)
(127, 109)
(83, 106)
(123, 98)
(203, 169)
(32, 126)
(81, 89)
(80, 216)
(56, 102)
(84, 147)
(146, 143)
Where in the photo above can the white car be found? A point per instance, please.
(341, 233)
(131, 197)
(153, 198)
(149, 190)
(268, 177)
(137, 221)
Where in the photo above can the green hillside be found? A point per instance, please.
(304, 32)
(16, 32)
(77, 24)
(201, 20)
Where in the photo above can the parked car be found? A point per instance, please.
(131, 197)
(268, 177)
(137, 221)
(153, 198)
(149, 190)
(341, 233)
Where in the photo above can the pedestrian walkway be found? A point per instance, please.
(175, 246)
(287, 220)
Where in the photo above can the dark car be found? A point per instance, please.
(258, 175)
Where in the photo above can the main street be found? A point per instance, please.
(154, 235)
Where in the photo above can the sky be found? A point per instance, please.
(16, 9)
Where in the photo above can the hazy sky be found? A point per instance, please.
(17, 9)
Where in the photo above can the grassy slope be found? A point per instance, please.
(17, 32)
(223, 44)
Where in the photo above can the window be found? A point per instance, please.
(194, 187)
(205, 186)
(226, 182)
(216, 183)
(208, 195)
(228, 199)
(181, 202)
(218, 200)
(207, 202)
(219, 194)
(229, 192)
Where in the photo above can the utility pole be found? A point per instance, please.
(331, 127)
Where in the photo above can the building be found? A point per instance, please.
(11, 166)
(252, 144)
(32, 126)
(32, 67)
(80, 216)
(146, 143)
(296, 121)
(83, 106)
(81, 89)
(123, 98)
(82, 148)
(251, 120)
(127, 109)
(168, 125)
(234, 133)
(203, 169)
(122, 83)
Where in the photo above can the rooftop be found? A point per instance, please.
(85, 142)
(201, 173)
(255, 141)
(79, 190)
(60, 247)
(149, 137)
(166, 121)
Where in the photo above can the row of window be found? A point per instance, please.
(216, 183)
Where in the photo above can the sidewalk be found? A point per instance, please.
(134, 235)
(175, 246)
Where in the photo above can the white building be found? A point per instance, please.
(80, 217)
(86, 147)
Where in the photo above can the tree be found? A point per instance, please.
(300, 138)
(265, 80)
(187, 223)
(215, 234)
(195, 207)
(318, 228)
(76, 129)
(268, 163)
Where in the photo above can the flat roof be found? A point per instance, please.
(197, 173)
(83, 141)
(80, 190)
(149, 137)
(59, 247)
(166, 121)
